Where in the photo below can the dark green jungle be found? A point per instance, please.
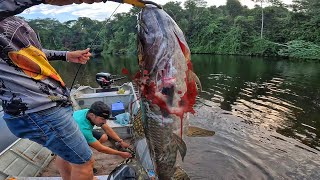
(271, 28)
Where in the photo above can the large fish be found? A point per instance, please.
(167, 85)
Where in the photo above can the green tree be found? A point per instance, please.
(262, 15)
(234, 8)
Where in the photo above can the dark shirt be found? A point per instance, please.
(28, 83)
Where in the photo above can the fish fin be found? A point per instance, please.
(194, 77)
(182, 147)
(184, 48)
(199, 132)
(180, 174)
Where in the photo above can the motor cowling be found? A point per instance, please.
(104, 79)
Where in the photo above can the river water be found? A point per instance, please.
(266, 115)
(265, 112)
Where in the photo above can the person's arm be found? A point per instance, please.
(55, 55)
(104, 149)
(79, 56)
(110, 132)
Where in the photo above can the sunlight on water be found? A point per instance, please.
(275, 94)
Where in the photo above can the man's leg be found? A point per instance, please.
(56, 129)
(83, 171)
(64, 168)
(71, 147)
(104, 138)
(70, 171)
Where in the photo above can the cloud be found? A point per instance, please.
(99, 11)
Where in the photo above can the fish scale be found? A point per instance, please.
(159, 134)
(138, 125)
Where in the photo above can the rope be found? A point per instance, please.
(75, 77)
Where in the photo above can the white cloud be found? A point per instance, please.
(101, 11)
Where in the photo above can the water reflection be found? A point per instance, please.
(274, 94)
(87, 73)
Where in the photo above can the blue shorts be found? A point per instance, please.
(97, 134)
(55, 129)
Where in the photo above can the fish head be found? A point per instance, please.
(150, 38)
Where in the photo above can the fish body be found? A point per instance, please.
(167, 87)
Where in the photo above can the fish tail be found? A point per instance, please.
(180, 174)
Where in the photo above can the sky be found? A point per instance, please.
(99, 11)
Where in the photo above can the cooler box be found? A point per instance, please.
(117, 108)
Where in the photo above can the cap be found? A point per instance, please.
(100, 109)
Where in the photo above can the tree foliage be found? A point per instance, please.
(288, 30)
(301, 49)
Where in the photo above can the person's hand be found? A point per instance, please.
(66, 2)
(124, 144)
(125, 154)
(79, 56)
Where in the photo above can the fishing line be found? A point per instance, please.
(75, 77)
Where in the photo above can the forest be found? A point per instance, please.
(271, 28)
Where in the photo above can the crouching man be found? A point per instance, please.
(97, 115)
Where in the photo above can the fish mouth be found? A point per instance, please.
(153, 4)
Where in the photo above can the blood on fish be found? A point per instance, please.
(185, 104)
(125, 71)
(189, 98)
(189, 64)
(184, 49)
(137, 76)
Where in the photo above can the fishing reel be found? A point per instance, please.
(105, 80)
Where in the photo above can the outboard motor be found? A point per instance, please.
(106, 79)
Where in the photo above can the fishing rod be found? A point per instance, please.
(75, 77)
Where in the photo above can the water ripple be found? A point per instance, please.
(270, 103)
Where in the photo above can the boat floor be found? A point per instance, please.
(55, 178)
(104, 163)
